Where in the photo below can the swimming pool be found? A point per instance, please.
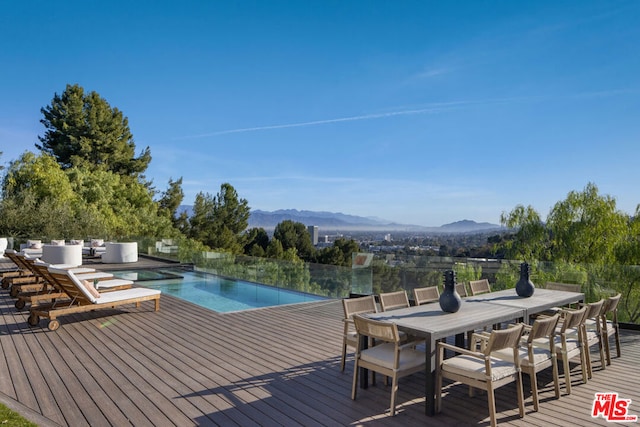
(217, 293)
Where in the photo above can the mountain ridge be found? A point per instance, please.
(339, 221)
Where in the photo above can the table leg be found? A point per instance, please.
(430, 392)
(364, 373)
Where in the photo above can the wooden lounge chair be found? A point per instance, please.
(82, 297)
(25, 280)
(53, 290)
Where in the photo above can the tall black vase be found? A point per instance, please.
(450, 300)
(525, 286)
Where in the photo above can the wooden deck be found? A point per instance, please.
(186, 365)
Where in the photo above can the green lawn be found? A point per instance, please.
(12, 418)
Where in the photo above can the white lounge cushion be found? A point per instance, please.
(125, 294)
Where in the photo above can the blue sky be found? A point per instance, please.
(419, 112)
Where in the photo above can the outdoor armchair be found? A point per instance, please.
(610, 327)
(426, 295)
(481, 368)
(479, 287)
(351, 307)
(388, 357)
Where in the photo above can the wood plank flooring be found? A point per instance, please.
(280, 366)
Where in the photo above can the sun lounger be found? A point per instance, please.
(54, 290)
(81, 298)
(25, 281)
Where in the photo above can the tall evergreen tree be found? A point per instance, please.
(83, 130)
(219, 221)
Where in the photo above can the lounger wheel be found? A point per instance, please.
(20, 304)
(13, 292)
(33, 319)
(5, 284)
(53, 325)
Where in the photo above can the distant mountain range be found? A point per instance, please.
(332, 221)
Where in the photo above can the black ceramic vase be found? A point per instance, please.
(450, 300)
(525, 286)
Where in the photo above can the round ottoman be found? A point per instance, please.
(117, 253)
(62, 254)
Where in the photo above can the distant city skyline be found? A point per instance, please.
(417, 112)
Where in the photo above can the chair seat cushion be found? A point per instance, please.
(473, 367)
(540, 355)
(572, 344)
(384, 355)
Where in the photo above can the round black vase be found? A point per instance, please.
(450, 300)
(525, 286)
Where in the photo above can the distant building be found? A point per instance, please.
(313, 233)
(387, 237)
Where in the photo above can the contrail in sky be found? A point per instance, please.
(433, 109)
(328, 121)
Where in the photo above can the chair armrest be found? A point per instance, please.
(461, 350)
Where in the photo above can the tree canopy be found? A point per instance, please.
(219, 221)
(84, 130)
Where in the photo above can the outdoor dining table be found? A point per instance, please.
(428, 321)
(541, 300)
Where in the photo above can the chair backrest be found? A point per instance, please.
(543, 327)
(393, 300)
(426, 295)
(504, 338)
(16, 258)
(594, 309)
(69, 283)
(568, 287)
(479, 286)
(376, 329)
(572, 318)
(461, 289)
(359, 305)
(611, 305)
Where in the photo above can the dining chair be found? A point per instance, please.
(461, 289)
(568, 287)
(481, 368)
(426, 295)
(610, 327)
(537, 353)
(351, 307)
(389, 357)
(394, 300)
(569, 343)
(592, 334)
(479, 287)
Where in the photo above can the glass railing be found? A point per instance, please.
(408, 272)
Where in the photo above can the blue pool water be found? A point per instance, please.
(218, 293)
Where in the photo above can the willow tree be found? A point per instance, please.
(530, 239)
(586, 227)
(84, 130)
